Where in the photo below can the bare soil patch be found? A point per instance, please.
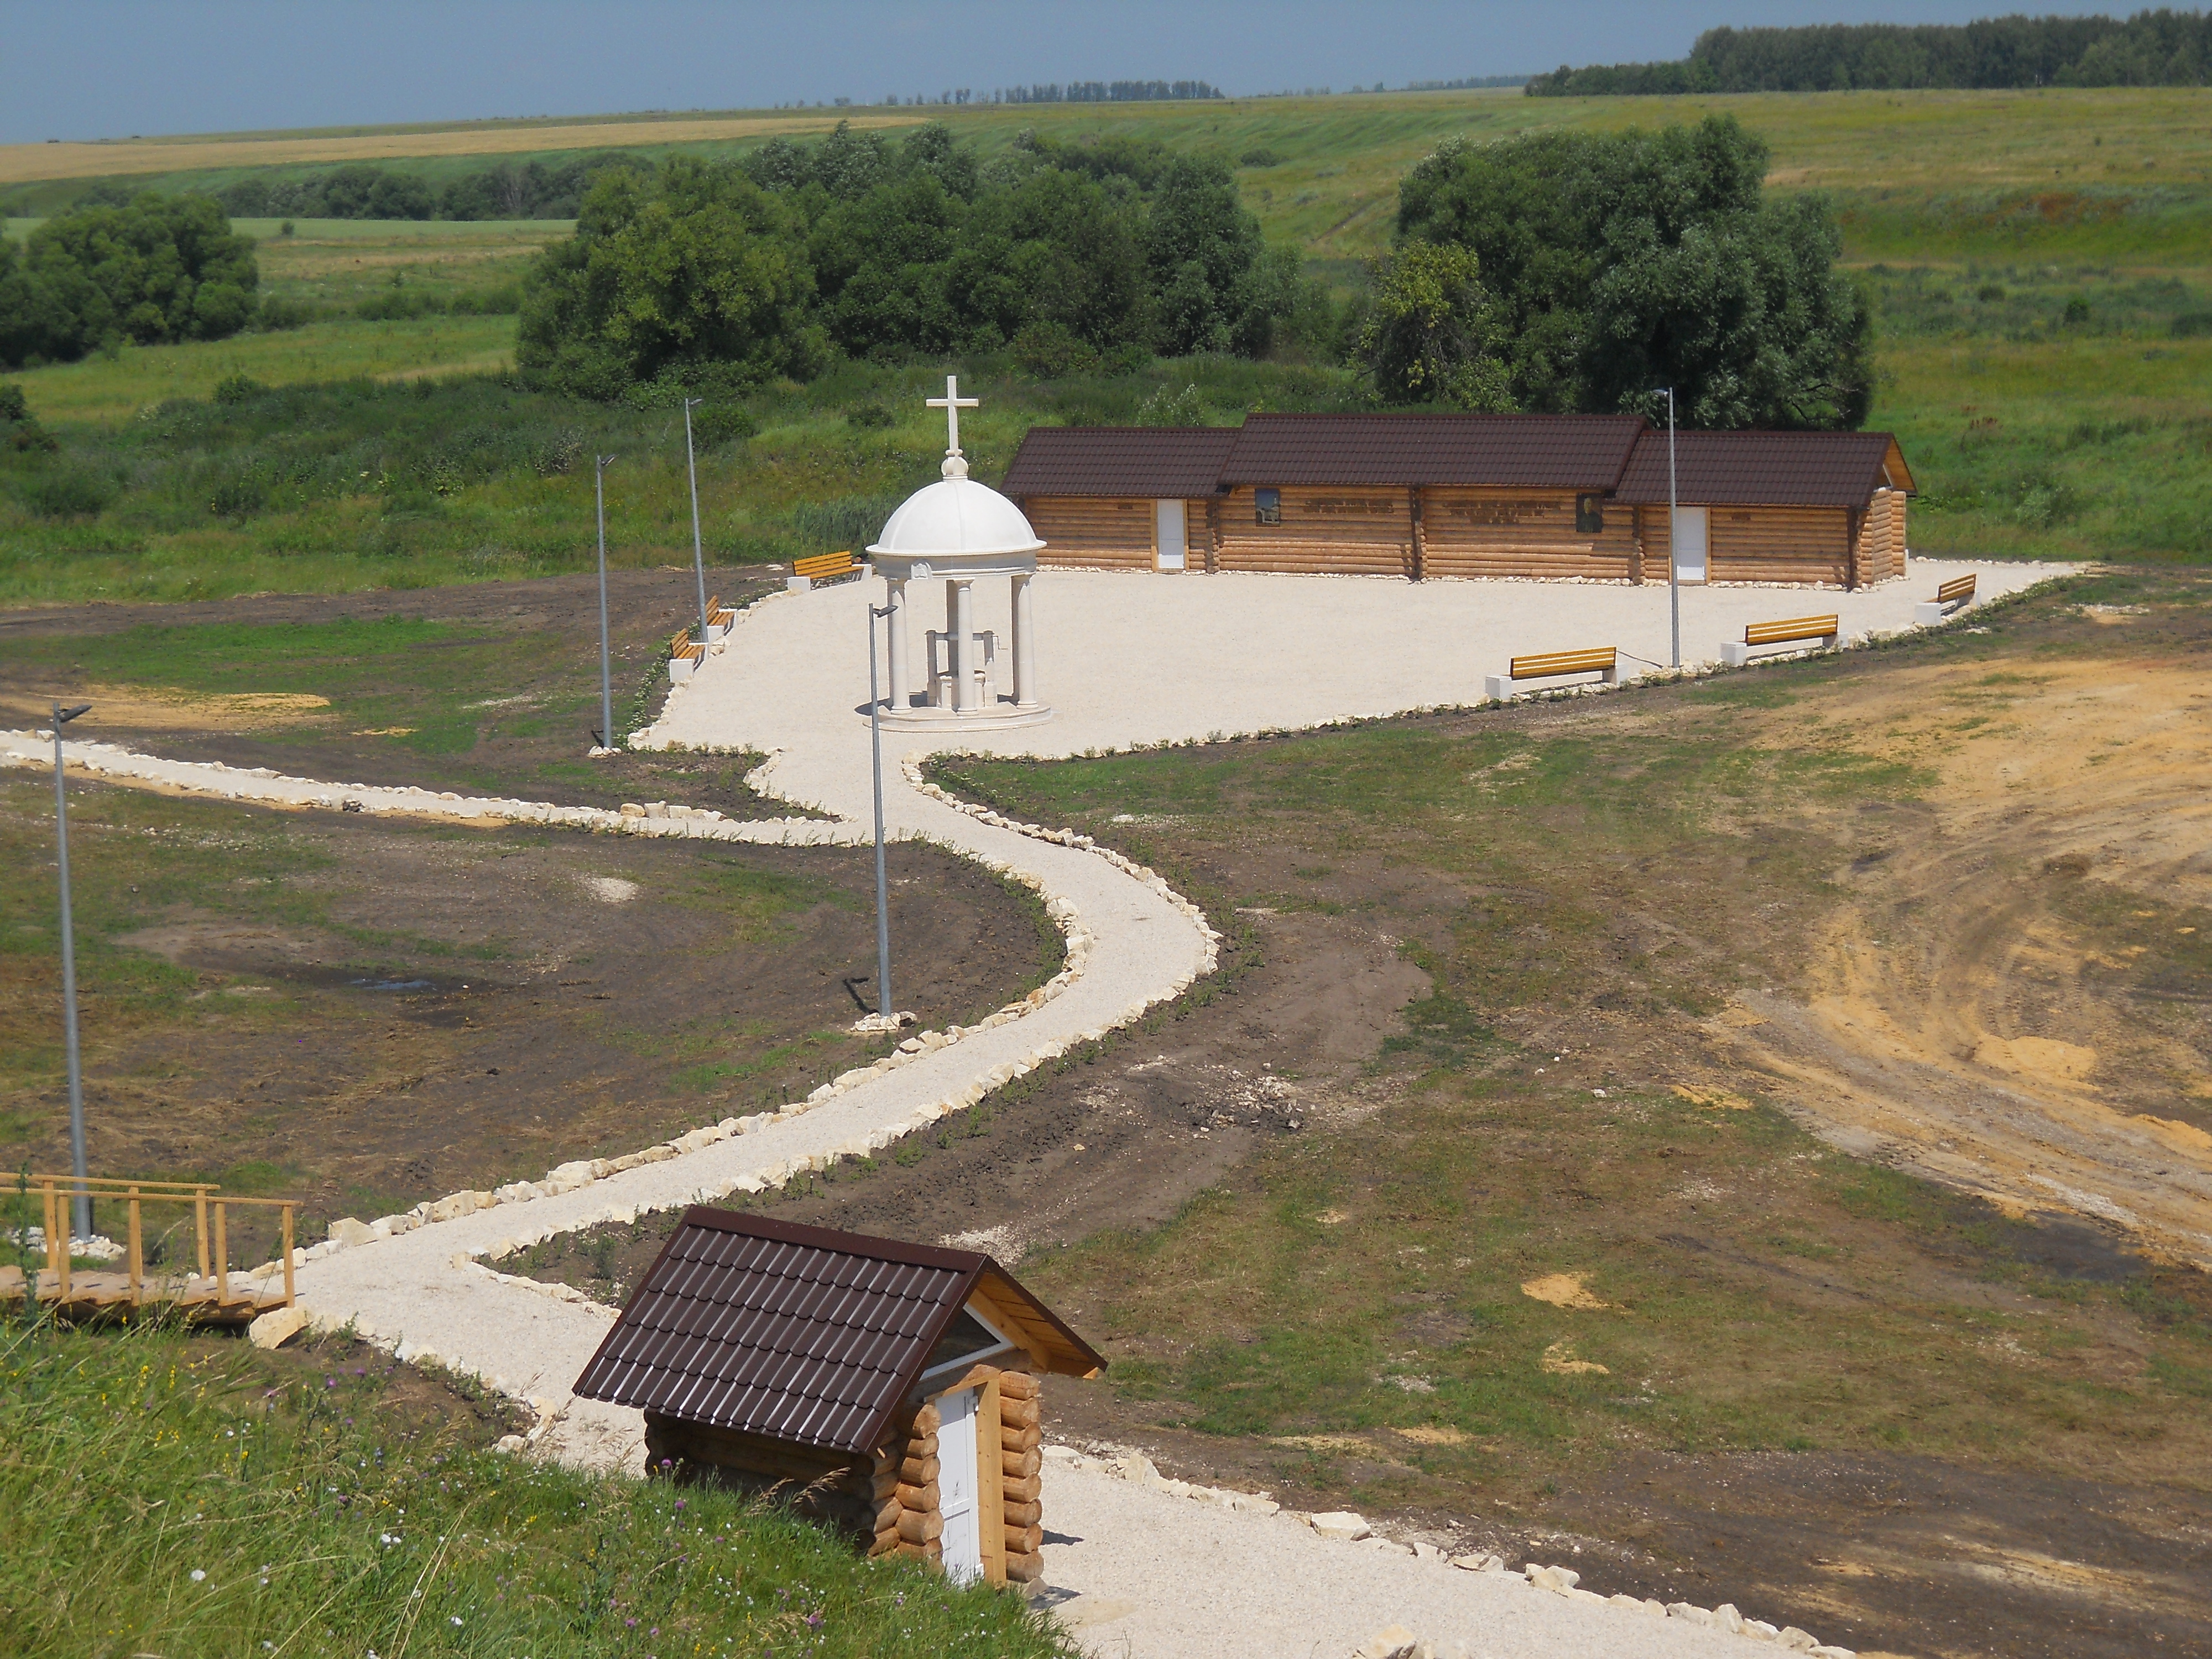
(497, 688)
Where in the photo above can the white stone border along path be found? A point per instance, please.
(1150, 1567)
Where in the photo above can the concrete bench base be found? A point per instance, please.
(679, 668)
(1497, 688)
(1932, 613)
(1735, 653)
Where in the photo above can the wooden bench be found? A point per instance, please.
(821, 568)
(1959, 591)
(1791, 631)
(684, 656)
(720, 620)
(1600, 660)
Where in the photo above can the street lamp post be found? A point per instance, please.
(1673, 514)
(698, 557)
(606, 662)
(81, 1206)
(883, 890)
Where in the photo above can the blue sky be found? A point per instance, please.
(101, 68)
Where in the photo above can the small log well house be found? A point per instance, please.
(1427, 496)
(893, 1389)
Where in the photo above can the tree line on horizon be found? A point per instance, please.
(2150, 49)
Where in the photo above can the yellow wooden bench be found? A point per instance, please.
(821, 568)
(684, 656)
(1959, 591)
(1790, 630)
(1601, 661)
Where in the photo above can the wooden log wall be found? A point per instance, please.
(1880, 553)
(1355, 530)
(1021, 1443)
(903, 1488)
(1093, 531)
(1504, 532)
(1778, 545)
(1806, 546)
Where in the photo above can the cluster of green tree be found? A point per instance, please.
(2152, 48)
(1066, 254)
(156, 269)
(530, 190)
(1468, 84)
(1106, 92)
(1576, 272)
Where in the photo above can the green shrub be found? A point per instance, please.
(2192, 325)
(1259, 158)
(73, 492)
(869, 417)
(236, 389)
(14, 406)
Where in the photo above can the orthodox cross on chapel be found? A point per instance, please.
(955, 464)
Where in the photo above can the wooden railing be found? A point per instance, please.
(56, 1192)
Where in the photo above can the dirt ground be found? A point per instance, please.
(365, 1012)
(1999, 987)
(533, 716)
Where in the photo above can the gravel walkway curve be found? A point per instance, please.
(1128, 660)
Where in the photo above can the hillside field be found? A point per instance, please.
(2037, 262)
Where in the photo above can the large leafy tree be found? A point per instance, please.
(1621, 262)
(155, 269)
(696, 266)
(1428, 336)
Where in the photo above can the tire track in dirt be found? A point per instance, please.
(1961, 1019)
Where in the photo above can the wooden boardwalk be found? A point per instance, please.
(214, 1295)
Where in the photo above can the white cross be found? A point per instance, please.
(952, 402)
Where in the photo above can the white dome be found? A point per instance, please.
(956, 516)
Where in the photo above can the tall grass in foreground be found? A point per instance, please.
(185, 1497)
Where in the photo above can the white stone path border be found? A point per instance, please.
(1151, 660)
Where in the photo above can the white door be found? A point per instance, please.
(963, 1540)
(1689, 543)
(1168, 536)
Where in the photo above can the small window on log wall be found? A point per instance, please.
(1589, 514)
(1267, 505)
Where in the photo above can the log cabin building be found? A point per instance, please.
(1421, 496)
(891, 1390)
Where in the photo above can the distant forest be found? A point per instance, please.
(530, 191)
(2150, 49)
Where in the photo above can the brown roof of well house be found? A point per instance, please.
(1160, 461)
(802, 1333)
(1767, 468)
(1526, 452)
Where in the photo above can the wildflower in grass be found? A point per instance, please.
(199, 1576)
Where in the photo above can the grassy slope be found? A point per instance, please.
(205, 1499)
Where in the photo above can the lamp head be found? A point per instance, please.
(64, 716)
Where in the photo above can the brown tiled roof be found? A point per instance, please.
(1527, 451)
(1163, 462)
(1767, 468)
(801, 1334)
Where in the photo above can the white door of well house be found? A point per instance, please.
(957, 1501)
(1168, 534)
(1689, 540)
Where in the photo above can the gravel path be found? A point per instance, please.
(1127, 659)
